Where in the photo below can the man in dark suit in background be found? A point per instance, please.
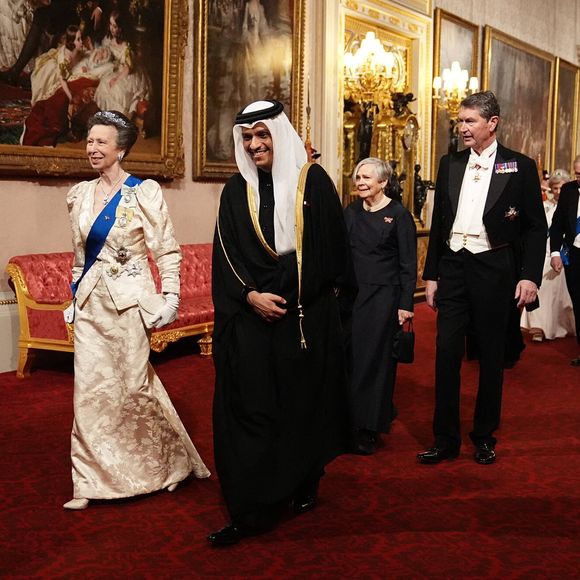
(486, 247)
(565, 243)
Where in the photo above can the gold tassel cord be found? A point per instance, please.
(226, 254)
(299, 230)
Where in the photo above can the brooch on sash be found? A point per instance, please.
(511, 214)
(123, 255)
(508, 167)
(126, 208)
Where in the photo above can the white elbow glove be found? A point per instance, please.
(168, 312)
(69, 313)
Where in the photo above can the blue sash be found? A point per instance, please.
(100, 230)
(565, 250)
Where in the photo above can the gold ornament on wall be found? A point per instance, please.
(377, 119)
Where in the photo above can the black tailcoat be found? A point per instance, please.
(525, 230)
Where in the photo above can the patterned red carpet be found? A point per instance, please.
(379, 517)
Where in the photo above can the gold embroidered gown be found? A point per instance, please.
(127, 438)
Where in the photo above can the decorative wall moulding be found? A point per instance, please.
(422, 6)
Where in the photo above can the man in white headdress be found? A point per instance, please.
(281, 258)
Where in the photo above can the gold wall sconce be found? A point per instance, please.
(449, 90)
(373, 72)
(452, 87)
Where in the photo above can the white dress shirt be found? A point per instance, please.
(468, 231)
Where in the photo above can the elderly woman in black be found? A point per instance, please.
(383, 245)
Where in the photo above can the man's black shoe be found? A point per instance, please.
(303, 504)
(436, 455)
(365, 442)
(227, 536)
(575, 362)
(484, 453)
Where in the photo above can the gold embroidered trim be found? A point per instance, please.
(299, 233)
(226, 254)
(299, 236)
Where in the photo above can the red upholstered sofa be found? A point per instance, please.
(42, 286)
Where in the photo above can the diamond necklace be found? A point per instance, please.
(107, 195)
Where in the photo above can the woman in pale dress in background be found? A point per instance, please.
(127, 438)
(15, 20)
(55, 78)
(555, 317)
(128, 83)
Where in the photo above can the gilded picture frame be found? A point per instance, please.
(454, 39)
(522, 77)
(565, 114)
(160, 27)
(244, 51)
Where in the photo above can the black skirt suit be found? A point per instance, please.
(384, 252)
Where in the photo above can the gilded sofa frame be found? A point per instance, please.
(28, 345)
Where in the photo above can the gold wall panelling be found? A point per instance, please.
(423, 6)
(412, 32)
(404, 136)
(386, 122)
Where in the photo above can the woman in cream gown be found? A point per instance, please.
(127, 438)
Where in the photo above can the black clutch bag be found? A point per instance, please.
(404, 343)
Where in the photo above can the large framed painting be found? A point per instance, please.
(521, 76)
(565, 119)
(245, 50)
(68, 59)
(455, 40)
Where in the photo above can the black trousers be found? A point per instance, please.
(572, 272)
(475, 291)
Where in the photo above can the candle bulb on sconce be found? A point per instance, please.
(452, 87)
(437, 84)
(473, 84)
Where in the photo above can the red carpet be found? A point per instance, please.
(379, 517)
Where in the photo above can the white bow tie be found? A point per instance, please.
(476, 162)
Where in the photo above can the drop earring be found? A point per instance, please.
(120, 157)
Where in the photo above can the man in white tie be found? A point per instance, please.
(486, 249)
